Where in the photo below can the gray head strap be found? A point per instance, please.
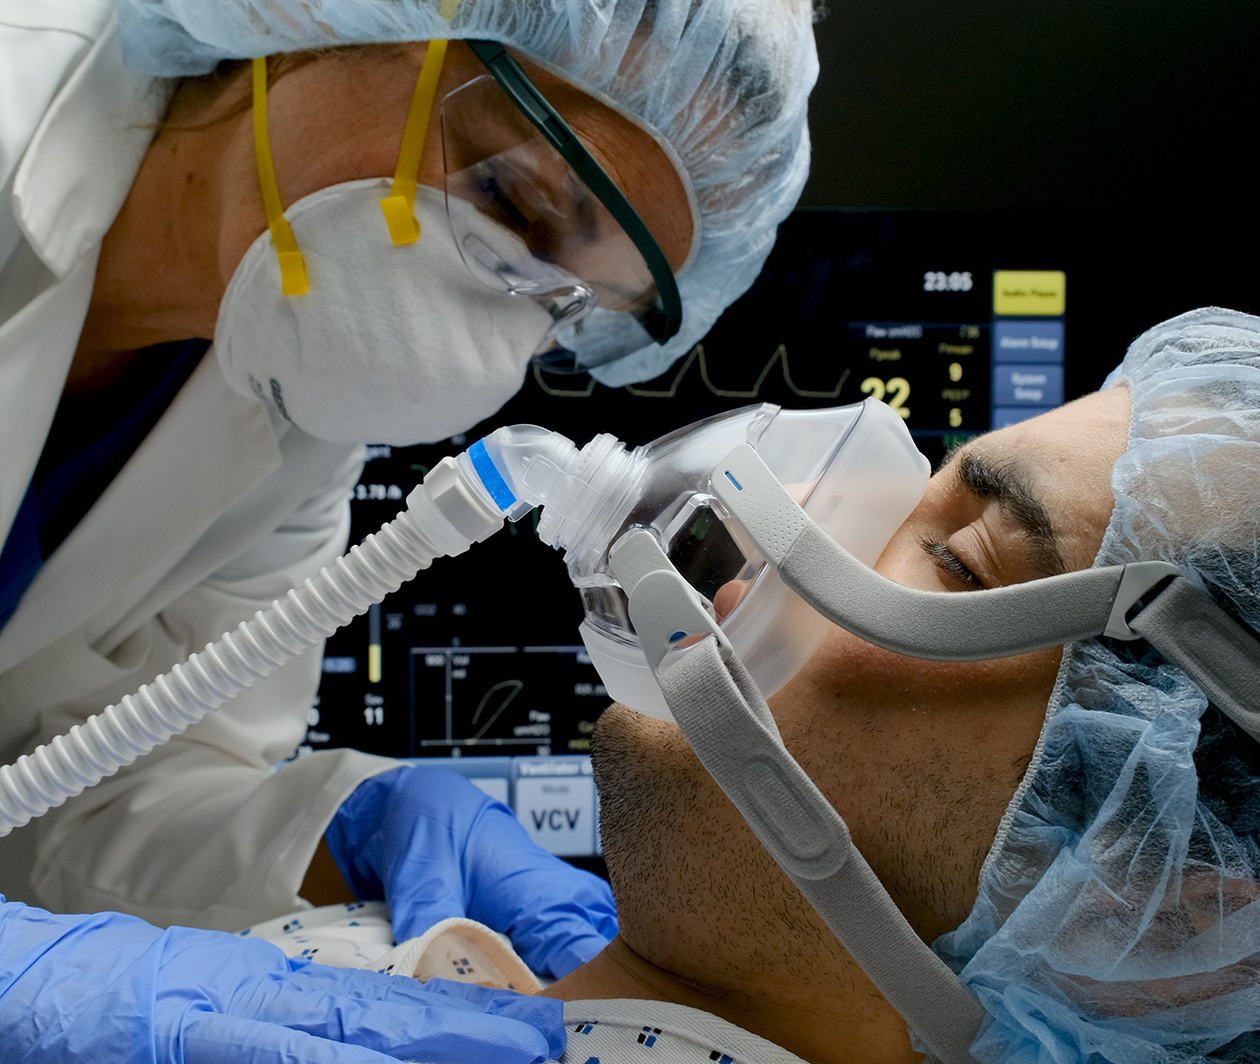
(731, 730)
(941, 625)
(964, 625)
(1177, 619)
(744, 754)
(1214, 650)
(1180, 621)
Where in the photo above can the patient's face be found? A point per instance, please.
(921, 758)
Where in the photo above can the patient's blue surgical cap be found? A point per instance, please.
(722, 83)
(1118, 916)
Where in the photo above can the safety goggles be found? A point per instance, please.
(573, 241)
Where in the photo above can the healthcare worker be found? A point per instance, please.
(594, 193)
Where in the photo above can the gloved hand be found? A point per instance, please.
(111, 989)
(433, 845)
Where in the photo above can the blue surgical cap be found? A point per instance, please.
(721, 83)
(1118, 916)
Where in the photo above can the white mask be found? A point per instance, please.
(391, 344)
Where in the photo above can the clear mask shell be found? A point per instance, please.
(854, 469)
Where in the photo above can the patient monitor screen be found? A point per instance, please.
(960, 321)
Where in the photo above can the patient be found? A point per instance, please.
(920, 758)
(1126, 811)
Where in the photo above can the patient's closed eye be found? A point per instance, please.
(951, 565)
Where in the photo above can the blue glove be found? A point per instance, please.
(111, 989)
(434, 845)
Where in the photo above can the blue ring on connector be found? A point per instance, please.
(491, 479)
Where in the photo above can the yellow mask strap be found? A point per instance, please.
(293, 279)
(399, 206)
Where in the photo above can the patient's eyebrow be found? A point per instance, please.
(1008, 484)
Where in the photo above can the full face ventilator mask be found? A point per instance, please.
(791, 508)
(853, 469)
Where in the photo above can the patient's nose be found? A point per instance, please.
(728, 596)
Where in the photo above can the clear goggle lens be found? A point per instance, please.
(526, 224)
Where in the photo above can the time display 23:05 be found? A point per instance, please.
(940, 281)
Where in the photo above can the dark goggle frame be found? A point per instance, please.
(662, 321)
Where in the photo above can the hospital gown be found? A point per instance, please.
(615, 1031)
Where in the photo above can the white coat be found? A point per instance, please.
(220, 510)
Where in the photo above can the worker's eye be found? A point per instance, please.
(951, 565)
(497, 201)
(537, 206)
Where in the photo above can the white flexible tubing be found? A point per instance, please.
(444, 521)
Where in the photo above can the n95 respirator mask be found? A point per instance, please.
(391, 344)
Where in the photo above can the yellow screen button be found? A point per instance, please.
(1033, 292)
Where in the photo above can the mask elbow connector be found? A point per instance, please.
(521, 467)
(516, 466)
(583, 493)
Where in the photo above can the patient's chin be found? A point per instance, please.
(636, 761)
(646, 776)
(694, 888)
(627, 720)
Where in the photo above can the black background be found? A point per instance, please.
(1086, 104)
